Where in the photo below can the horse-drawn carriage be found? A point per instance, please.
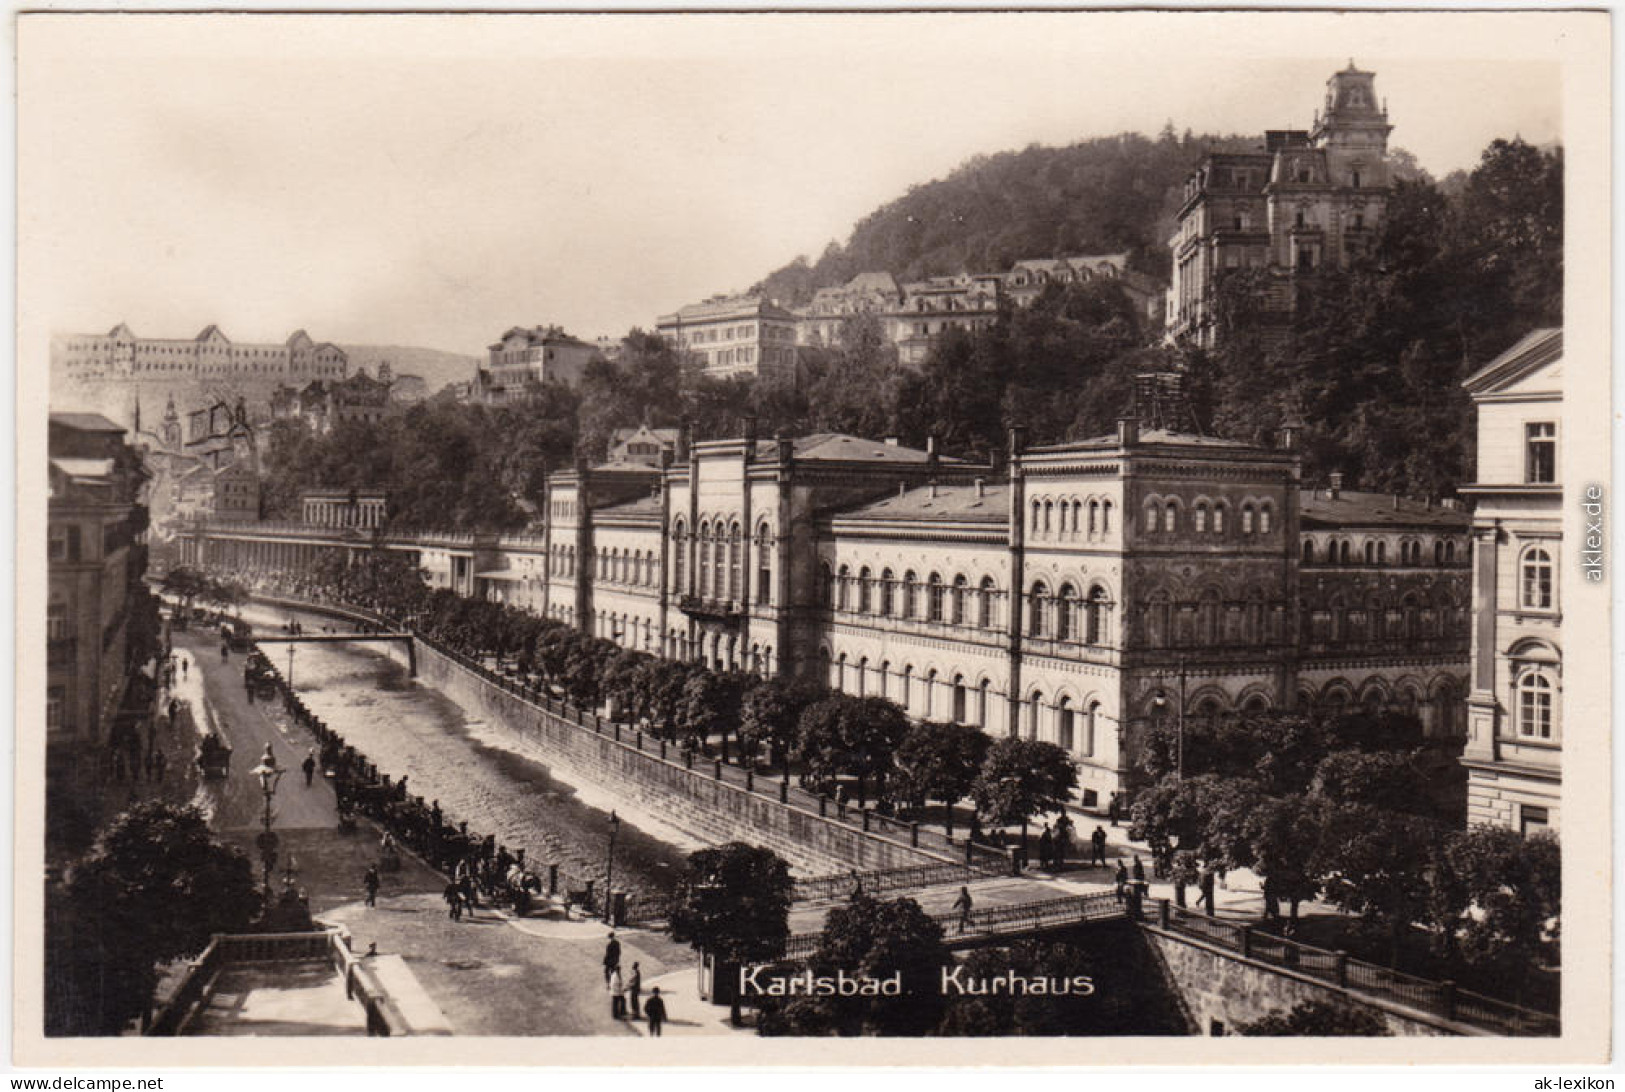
(213, 757)
(258, 678)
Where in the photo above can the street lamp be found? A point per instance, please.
(609, 873)
(1160, 702)
(269, 775)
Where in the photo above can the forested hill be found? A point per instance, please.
(1101, 195)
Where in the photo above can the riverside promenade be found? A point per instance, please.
(489, 975)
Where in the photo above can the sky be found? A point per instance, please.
(434, 180)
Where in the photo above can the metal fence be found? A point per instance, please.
(1339, 969)
(837, 885)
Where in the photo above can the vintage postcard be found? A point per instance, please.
(717, 530)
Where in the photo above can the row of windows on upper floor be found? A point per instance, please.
(1341, 551)
(1070, 516)
(1165, 514)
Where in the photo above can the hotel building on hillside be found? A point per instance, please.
(1514, 751)
(734, 335)
(1303, 200)
(211, 355)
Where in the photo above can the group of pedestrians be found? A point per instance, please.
(626, 991)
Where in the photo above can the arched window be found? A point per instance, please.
(934, 597)
(1105, 517)
(1037, 509)
(1265, 516)
(1090, 717)
(1152, 515)
(826, 586)
(1036, 599)
(1199, 517)
(961, 586)
(1035, 714)
(862, 677)
(981, 704)
(1450, 552)
(1170, 517)
(1064, 724)
(865, 590)
(1094, 517)
(1535, 579)
(1382, 552)
(1308, 551)
(1049, 511)
(843, 580)
(910, 595)
(1094, 627)
(1207, 618)
(1157, 610)
(735, 560)
(840, 672)
(886, 581)
(764, 567)
(984, 603)
(1370, 552)
(1247, 519)
(1065, 604)
(1218, 517)
(906, 695)
(959, 710)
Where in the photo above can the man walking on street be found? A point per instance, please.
(309, 766)
(1097, 846)
(612, 956)
(963, 905)
(370, 881)
(634, 991)
(617, 995)
(655, 1010)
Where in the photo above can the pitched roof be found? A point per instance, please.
(1354, 509)
(958, 503)
(840, 447)
(84, 470)
(648, 505)
(85, 422)
(1534, 349)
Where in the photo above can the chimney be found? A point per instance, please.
(933, 488)
(981, 487)
(1128, 431)
(931, 453)
(1018, 442)
(1287, 437)
(902, 488)
(1337, 484)
(1396, 502)
(684, 442)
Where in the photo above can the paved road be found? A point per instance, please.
(214, 691)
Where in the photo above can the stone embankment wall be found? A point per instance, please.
(1218, 985)
(692, 800)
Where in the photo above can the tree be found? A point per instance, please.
(842, 734)
(769, 716)
(1022, 778)
(1385, 780)
(877, 940)
(711, 701)
(734, 903)
(1377, 864)
(155, 887)
(938, 761)
(1281, 836)
(1507, 904)
(1318, 1018)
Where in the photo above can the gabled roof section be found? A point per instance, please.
(1533, 351)
(989, 503)
(85, 422)
(1317, 508)
(840, 447)
(212, 332)
(121, 332)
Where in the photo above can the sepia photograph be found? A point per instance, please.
(904, 530)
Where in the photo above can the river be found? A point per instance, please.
(480, 774)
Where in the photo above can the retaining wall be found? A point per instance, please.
(1217, 985)
(694, 801)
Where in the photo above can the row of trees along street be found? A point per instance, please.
(865, 746)
(1345, 809)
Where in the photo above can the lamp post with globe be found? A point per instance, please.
(269, 775)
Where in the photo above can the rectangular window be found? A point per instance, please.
(1532, 820)
(56, 706)
(1540, 446)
